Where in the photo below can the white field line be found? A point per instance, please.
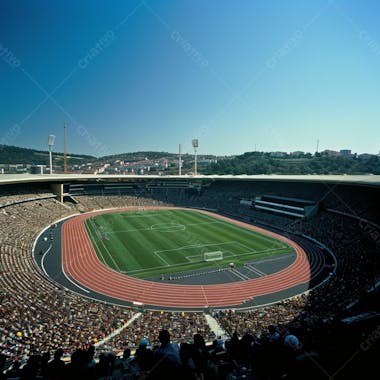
(201, 223)
(230, 254)
(152, 229)
(151, 268)
(226, 254)
(161, 258)
(109, 254)
(264, 237)
(195, 246)
(181, 264)
(157, 253)
(131, 230)
(167, 227)
(97, 247)
(189, 258)
(266, 252)
(157, 267)
(250, 249)
(145, 215)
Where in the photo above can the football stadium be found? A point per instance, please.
(189, 190)
(105, 261)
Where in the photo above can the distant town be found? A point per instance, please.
(16, 160)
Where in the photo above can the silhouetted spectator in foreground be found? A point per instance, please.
(201, 356)
(14, 372)
(273, 336)
(144, 355)
(167, 363)
(82, 365)
(233, 346)
(55, 370)
(3, 359)
(126, 365)
(32, 368)
(188, 366)
(105, 366)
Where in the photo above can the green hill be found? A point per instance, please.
(16, 155)
(262, 163)
(247, 163)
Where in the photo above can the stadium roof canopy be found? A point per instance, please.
(364, 180)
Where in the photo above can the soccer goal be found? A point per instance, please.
(213, 256)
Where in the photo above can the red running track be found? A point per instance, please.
(81, 263)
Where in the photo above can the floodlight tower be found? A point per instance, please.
(64, 150)
(195, 144)
(180, 160)
(51, 140)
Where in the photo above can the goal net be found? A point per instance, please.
(213, 256)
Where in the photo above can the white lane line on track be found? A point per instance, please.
(43, 260)
(70, 280)
(239, 274)
(104, 246)
(255, 270)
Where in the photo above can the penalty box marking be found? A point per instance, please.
(226, 254)
(199, 246)
(168, 227)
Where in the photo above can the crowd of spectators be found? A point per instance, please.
(181, 325)
(317, 315)
(11, 195)
(164, 358)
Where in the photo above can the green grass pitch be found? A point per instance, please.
(148, 243)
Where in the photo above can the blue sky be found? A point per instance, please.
(147, 75)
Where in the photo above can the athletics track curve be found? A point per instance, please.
(81, 263)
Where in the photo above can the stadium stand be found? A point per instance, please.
(299, 208)
(307, 336)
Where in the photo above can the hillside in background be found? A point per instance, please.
(167, 163)
(139, 156)
(264, 163)
(17, 155)
(149, 155)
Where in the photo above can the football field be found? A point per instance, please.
(149, 243)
